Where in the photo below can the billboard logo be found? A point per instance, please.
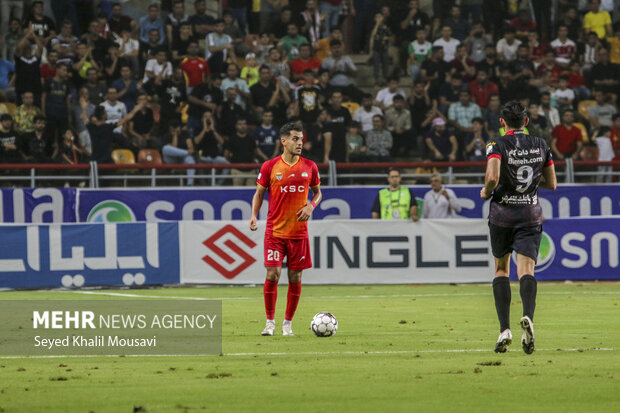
(111, 211)
(230, 238)
(546, 253)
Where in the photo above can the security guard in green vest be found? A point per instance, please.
(395, 202)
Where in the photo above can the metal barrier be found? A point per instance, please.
(94, 175)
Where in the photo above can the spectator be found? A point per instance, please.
(68, 152)
(194, 67)
(129, 50)
(551, 114)
(475, 141)
(307, 104)
(119, 22)
(115, 109)
(7, 75)
(490, 64)
(217, 48)
(97, 42)
(491, 116)
(127, 88)
(565, 49)
(181, 42)
(202, 23)
(322, 48)
(448, 43)
(233, 81)
(538, 124)
(304, 62)
(364, 12)
(366, 112)
(477, 42)
(463, 112)
(459, 26)
(419, 103)
(149, 49)
(385, 96)
(597, 21)
(172, 97)
(331, 9)
(113, 62)
(241, 148)
(250, 72)
(522, 67)
(230, 112)
(174, 21)
(549, 65)
(64, 43)
(10, 39)
(26, 113)
(380, 41)
(507, 46)
(566, 138)
(10, 144)
(398, 123)
(605, 154)
(96, 89)
(209, 143)
(419, 50)
(84, 61)
(604, 75)
(395, 202)
(508, 89)
(601, 113)
(179, 148)
(536, 49)
(56, 103)
(35, 144)
(563, 96)
(335, 141)
(572, 22)
(441, 141)
(440, 202)
(42, 26)
(203, 97)
(156, 71)
(83, 110)
(463, 65)
(140, 128)
(313, 22)
(523, 24)
(341, 69)
(379, 141)
(27, 66)
(482, 89)
(238, 10)
(290, 43)
(152, 21)
(279, 26)
(267, 138)
(356, 149)
(434, 70)
(588, 51)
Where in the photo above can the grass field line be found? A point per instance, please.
(172, 297)
(305, 353)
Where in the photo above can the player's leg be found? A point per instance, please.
(526, 244)
(501, 240)
(298, 259)
(274, 253)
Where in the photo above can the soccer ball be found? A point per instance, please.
(324, 325)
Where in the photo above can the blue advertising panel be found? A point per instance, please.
(338, 203)
(37, 205)
(578, 249)
(76, 255)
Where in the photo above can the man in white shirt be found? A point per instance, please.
(157, 69)
(563, 47)
(365, 113)
(385, 97)
(448, 43)
(440, 202)
(507, 46)
(115, 109)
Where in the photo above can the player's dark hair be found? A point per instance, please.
(289, 127)
(514, 114)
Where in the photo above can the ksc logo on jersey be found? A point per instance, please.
(546, 253)
(225, 245)
(111, 211)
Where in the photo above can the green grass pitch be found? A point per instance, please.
(399, 348)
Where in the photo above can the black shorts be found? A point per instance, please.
(523, 240)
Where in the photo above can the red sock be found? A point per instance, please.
(270, 292)
(292, 299)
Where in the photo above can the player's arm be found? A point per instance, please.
(305, 213)
(257, 202)
(491, 178)
(549, 180)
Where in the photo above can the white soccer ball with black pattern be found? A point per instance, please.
(324, 325)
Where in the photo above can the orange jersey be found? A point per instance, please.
(288, 193)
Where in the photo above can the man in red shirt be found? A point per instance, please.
(48, 70)
(481, 89)
(304, 61)
(194, 67)
(288, 178)
(567, 139)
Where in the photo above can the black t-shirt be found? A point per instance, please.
(171, 95)
(515, 199)
(208, 145)
(261, 95)
(492, 69)
(10, 155)
(341, 117)
(209, 94)
(180, 45)
(181, 140)
(228, 117)
(102, 138)
(419, 21)
(56, 98)
(107, 62)
(37, 148)
(308, 100)
(27, 75)
(242, 148)
(143, 122)
(42, 27)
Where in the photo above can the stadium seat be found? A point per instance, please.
(584, 131)
(583, 106)
(352, 106)
(10, 108)
(123, 157)
(149, 156)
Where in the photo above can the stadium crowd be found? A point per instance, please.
(197, 88)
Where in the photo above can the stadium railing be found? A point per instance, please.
(94, 175)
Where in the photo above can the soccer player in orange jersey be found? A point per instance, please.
(288, 178)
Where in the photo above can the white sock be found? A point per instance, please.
(273, 321)
(287, 322)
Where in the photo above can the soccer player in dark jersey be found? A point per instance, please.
(517, 165)
(287, 177)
